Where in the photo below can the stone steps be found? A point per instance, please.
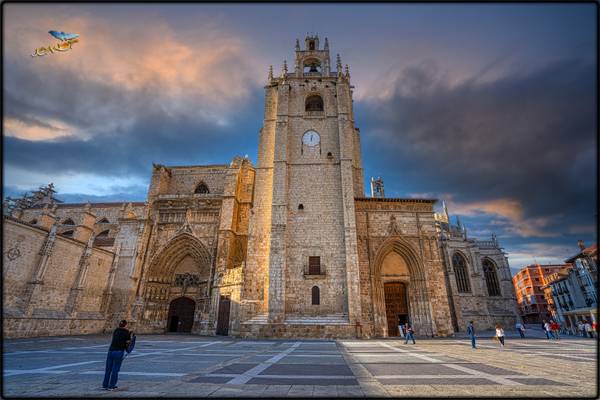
(330, 319)
(258, 319)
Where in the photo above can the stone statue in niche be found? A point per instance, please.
(393, 228)
(187, 280)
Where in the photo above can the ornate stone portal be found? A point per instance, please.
(181, 269)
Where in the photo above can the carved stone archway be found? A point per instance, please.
(162, 285)
(418, 298)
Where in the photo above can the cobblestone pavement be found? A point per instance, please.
(195, 366)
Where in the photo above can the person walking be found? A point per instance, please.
(580, 328)
(521, 329)
(594, 331)
(409, 333)
(588, 329)
(500, 335)
(546, 326)
(116, 352)
(471, 333)
(555, 328)
(400, 328)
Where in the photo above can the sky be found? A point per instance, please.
(489, 107)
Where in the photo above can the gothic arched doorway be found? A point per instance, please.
(181, 315)
(181, 269)
(396, 306)
(399, 290)
(396, 277)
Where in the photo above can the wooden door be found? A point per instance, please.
(223, 318)
(181, 315)
(396, 307)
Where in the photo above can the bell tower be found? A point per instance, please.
(302, 249)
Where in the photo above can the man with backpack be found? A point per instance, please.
(121, 343)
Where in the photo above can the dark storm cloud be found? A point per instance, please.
(530, 137)
(117, 131)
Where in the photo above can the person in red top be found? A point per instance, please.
(555, 328)
(594, 328)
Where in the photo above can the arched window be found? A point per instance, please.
(461, 273)
(202, 188)
(104, 221)
(68, 233)
(300, 206)
(103, 234)
(312, 66)
(68, 221)
(491, 277)
(33, 221)
(314, 103)
(316, 296)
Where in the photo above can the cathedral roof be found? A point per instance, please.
(394, 200)
(106, 204)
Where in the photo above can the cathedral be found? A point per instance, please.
(289, 247)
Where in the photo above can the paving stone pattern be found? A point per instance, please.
(195, 366)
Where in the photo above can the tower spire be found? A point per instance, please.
(270, 77)
(326, 46)
(446, 211)
(297, 45)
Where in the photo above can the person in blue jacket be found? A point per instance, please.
(121, 341)
(471, 333)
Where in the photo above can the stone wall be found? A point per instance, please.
(110, 212)
(299, 331)
(476, 305)
(52, 285)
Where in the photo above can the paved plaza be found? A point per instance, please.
(196, 366)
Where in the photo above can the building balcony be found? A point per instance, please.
(314, 113)
(312, 272)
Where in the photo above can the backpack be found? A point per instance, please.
(130, 344)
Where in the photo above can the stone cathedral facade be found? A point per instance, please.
(289, 247)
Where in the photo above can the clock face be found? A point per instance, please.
(311, 138)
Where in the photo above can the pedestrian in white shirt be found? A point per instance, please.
(500, 335)
(547, 330)
(580, 331)
(588, 329)
(520, 329)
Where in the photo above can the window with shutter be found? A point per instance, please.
(314, 265)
